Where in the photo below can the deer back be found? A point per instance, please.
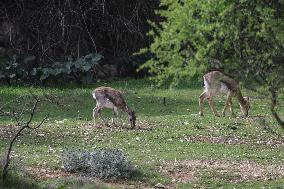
(104, 94)
(216, 82)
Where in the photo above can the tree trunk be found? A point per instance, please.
(273, 106)
(7, 160)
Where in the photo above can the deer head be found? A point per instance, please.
(245, 106)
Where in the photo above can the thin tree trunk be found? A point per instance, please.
(7, 160)
(273, 106)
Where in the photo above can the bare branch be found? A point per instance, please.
(32, 112)
(42, 121)
(17, 116)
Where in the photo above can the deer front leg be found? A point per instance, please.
(115, 114)
(213, 109)
(201, 103)
(231, 109)
(227, 103)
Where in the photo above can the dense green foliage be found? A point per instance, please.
(244, 38)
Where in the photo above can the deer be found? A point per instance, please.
(215, 83)
(107, 97)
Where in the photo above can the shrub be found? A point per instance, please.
(242, 38)
(13, 71)
(105, 164)
(75, 161)
(20, 69)
(80, 69)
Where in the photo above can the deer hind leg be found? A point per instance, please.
(213, 109)
(96, 112)
(228, 103)
(201, 103)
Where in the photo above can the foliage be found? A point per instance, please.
(104, 164)
(81, 68)
(12, 70)
(243, 38)
(19, 69)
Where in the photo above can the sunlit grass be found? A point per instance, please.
(163, 137)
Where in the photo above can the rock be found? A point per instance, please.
(161, 186)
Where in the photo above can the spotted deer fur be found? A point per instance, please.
(107, 97)
(215, 83)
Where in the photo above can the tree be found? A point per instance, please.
(18, 115)
(243, 38)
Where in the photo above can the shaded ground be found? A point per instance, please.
(235, 171)
(187, 171)
(42, 173)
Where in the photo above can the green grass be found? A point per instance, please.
(171, 134)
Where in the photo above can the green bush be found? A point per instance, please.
(79, 69)
(105, 164)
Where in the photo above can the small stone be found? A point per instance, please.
(159, 185)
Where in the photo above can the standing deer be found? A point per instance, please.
(216, 82)
(107, 97)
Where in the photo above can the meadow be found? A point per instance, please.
(172, 146)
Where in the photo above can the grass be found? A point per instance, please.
(174, 146)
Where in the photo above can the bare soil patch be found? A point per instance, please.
(8, 131)
(117, 127)
(234, 171)
(44, 173)
(234, 140)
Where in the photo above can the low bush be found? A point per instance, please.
(104, 164)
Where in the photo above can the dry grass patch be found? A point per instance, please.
(140, 125)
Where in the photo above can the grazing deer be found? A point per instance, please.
(216, 82)
(107, 97)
